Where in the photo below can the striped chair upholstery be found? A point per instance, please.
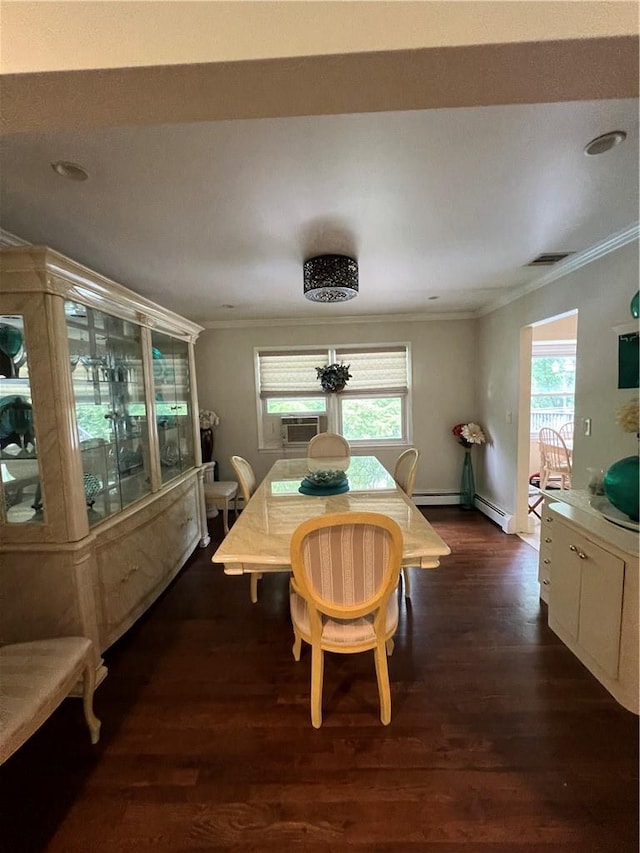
(345, 570)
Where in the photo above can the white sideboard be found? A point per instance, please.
(591, 574)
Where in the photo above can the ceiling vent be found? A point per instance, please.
(549, 259)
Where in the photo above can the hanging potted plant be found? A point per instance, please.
(333, 377)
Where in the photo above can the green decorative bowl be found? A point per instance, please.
(621, 485)
(325, 479)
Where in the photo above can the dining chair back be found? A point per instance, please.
(555, 459)
(404, 474)
(566, 431)
(328, 445)
(246, 477)
(405, 469)
(345, 569)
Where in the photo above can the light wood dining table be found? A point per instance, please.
(261, 536)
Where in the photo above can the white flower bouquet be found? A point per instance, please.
(628, 417)
(469, 434)
(208, 419)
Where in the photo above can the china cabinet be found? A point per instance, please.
(102, 500)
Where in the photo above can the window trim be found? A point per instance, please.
(267, 440)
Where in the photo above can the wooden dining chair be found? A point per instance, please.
(404, 473)
(346, 567)
(555, 459)
(328, 445)
(566, 432)
(248, 483)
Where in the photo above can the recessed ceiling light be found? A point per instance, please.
(604, 143)
(70, 170)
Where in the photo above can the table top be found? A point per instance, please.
(262, 532)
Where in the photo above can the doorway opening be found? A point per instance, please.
(547, 400)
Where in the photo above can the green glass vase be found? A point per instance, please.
(621, 485)
(467, 482)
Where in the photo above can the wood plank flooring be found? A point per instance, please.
(500, 739)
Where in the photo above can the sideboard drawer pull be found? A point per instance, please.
(546, 562)
(572, 548)
(548, 539)
(582, 555)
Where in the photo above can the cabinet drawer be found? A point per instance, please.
(135, 568)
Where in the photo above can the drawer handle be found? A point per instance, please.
(572, 548)
(548, 539)
(546, 582)
(546, 562)
(126, 577)
(582, 555)
(549, 518)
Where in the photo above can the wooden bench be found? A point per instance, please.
(34, 679)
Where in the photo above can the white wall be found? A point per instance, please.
(601, 292)
(444, 356)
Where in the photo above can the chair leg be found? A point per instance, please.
(317, 673)
(225, 516)
(382, 673)
(255, 577)
(297, 645)
(406, 581)
(87, 701)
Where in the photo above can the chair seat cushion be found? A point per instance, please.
(347, 632)
(34, 679)
(220, 489)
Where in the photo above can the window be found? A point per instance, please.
(553, 379)
(372, 409)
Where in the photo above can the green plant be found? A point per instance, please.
(333, 377)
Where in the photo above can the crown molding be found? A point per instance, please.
(336, 321)
(571, 264)
(7, 239)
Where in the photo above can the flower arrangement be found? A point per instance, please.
(208, 419)
(333, 377)
(628, 416)
(469, 434)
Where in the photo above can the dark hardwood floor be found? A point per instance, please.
(500, 740)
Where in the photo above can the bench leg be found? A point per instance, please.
(87, 701)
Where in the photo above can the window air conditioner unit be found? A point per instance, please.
(300, 430)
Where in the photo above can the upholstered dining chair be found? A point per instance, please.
(328, 445)
(218, 494)
(346, 567)
(555, 459)
(404, 473)
(247, 480)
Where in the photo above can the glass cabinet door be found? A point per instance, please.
(172, 387)
(22, 499)
(111, 412)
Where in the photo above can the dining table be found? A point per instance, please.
(260, 537)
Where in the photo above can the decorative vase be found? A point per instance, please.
(621, 485)
(467, 482)
(206, 444)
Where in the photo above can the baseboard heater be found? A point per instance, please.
(495, 513)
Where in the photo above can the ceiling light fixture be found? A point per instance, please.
(330, 278)
(70, 170)
(604, 143)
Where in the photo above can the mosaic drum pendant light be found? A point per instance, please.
(330, 278)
